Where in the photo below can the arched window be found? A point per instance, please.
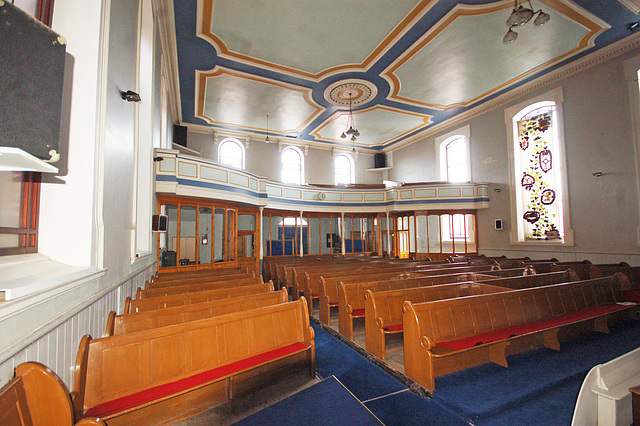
(344, 169)
(538, 172)
(292, 165)
(453, 151)
(231, 152)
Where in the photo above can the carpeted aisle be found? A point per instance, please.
(387, 398)
(539, 387)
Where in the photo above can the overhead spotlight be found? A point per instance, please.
(633, 27)
(130, 96)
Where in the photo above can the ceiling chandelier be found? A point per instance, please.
(267, 140)
(520, 16)
(352, 131)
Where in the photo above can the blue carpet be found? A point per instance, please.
(325, 403)
(363, 379)
(386, 397)
(539, 383)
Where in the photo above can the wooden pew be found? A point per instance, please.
(198, 280)
(310, 286)
(188, 288)
(167, 374)
(632, 272)
(329, 298)
(129, 323)
(537, 280)
(449, 335)
(383, 309)
(351, 296)
(37, 396)
(142, 305)
(161, 276)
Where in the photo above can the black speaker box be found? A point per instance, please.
(380, 160)
(159, 223)
(32, 61)
(180, 135)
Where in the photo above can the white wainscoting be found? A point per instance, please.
(58, 347)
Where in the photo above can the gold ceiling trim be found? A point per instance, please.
(426, 120)
(594, 25)
(204, 31)
(202, 78)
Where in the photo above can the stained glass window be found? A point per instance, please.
(538, 174)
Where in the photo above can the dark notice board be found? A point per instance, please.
(31, 77)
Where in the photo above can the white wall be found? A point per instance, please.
(598, 138)
(86, 210)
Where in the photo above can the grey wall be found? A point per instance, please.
(598, 138)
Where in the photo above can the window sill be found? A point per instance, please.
(25, 275)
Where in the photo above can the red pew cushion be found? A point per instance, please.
(505, 333)
(148, 395)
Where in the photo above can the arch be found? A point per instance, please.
(344, 169)
(539, 197)
(292, 165)
(231, 152)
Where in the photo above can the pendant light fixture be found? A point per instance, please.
(267, 140)
(351, 131)
(520, 15)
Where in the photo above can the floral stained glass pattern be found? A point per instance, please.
(538, 178)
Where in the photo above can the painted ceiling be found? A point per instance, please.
(405, 65)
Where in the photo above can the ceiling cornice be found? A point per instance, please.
(588, 61)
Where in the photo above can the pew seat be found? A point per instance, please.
(166, 374)
(444, 336)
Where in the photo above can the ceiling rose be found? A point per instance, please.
(358, 91)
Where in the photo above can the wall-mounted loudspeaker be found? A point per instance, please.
(380, 160)
(180, 135)
(159, 223)
(498, 224)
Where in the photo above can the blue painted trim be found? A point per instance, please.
(188, 182)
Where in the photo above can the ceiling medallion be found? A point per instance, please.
(350, 92)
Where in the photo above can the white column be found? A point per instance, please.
(301, 245)
(344, 251)
(261, 254)
(388, 236)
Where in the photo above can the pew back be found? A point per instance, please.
(117, 371)
(142, 305)
(129, 323)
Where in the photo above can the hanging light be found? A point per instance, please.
(520, 15)
(267, 140)
(351, 131)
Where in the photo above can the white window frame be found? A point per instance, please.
(299, 152)
(515, 233)
(352, 164)
(441, 143)
(231, 140)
